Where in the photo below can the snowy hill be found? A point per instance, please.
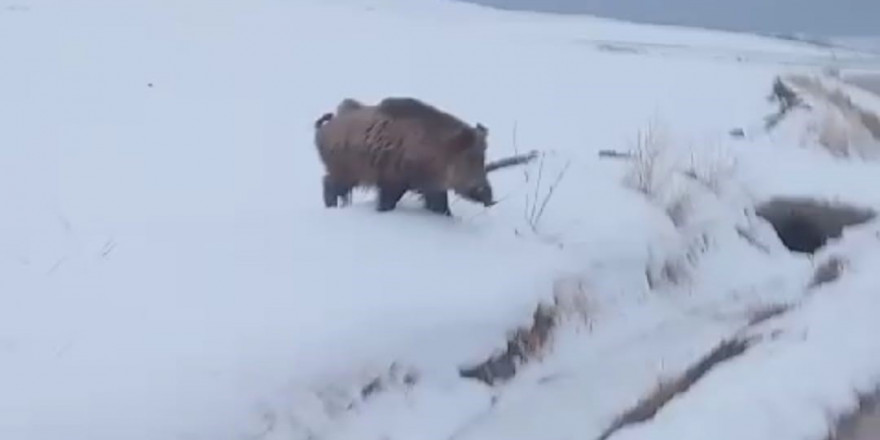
(815, 17)
(168, 271)
(870, 44)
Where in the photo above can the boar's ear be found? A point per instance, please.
(482, 130)
(482, 133)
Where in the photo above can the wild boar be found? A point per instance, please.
(400, 145)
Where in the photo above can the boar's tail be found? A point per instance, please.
(323, 120)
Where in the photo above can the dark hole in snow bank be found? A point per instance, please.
(805, 225)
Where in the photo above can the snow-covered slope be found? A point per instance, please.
(168, 271)
(867, 43)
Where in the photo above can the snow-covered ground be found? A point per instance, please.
(168, 270)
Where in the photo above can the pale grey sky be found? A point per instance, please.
(815, 17)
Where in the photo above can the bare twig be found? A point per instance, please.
(537, 188)
(649, 150)
(535, 204)
(550, 192)
(55, 266)
(108, 247)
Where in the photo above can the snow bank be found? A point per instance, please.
(811, 366)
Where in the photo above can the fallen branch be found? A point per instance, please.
(519, 159)
(615, 154)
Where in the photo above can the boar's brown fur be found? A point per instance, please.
(398, 145)
(348, 104)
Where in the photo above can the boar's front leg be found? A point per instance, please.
(437, 202)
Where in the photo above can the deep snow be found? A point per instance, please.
(167, 269)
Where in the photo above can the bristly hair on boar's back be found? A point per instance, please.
(400, 145)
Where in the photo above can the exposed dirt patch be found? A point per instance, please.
(524, 344)
(828, 272)
(648, 407)
(787, 99)
(841, 100)
(393, 378)
(845, 129)
(763, 314)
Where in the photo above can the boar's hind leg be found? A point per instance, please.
(437, 202)
(389, 195)
(333, 190)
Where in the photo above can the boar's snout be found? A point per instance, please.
(481, 194)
